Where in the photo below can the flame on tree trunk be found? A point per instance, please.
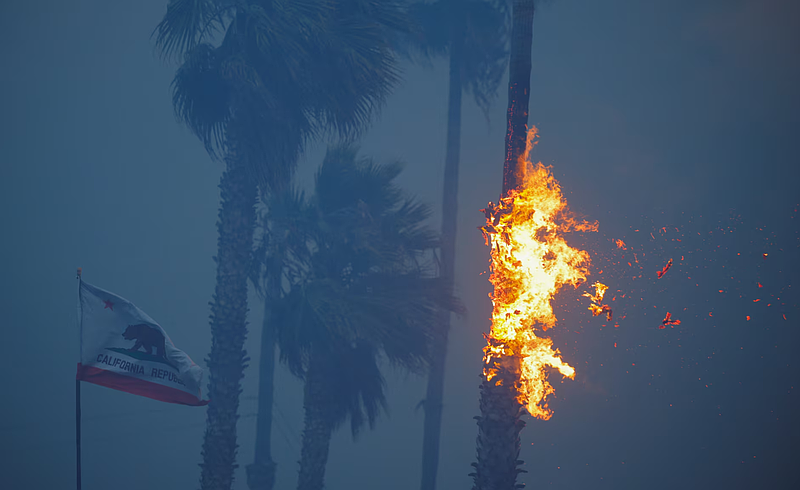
(530, 262)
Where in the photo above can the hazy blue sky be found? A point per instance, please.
(680, 114)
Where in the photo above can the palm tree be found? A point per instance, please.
(473, 34)
(360, 290)
(500, 422)
(257, 79)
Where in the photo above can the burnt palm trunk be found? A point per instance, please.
(519, 88)
(317, 428)
(227, 360)
(499, 424)
(433, 399)
(261, 474)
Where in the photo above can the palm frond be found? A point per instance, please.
(357, 63)
(365, 279)
(187, 23)
(346, 181)
(286, 71)
(398, 312)
(357, 385)
(349, 384)
(485, 28)
(201, 96)
(486, 49)
(430, 33)
(407, 226)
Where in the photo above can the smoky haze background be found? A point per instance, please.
(652, 113)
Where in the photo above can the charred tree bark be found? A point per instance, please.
(317, 428)
(435, 393)
(227, 359)
(519, 88)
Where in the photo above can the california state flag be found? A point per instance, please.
(124, 349)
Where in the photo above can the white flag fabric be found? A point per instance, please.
(124, 349)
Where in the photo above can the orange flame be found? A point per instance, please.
(597, 307)
(600, 292)
(530, 262)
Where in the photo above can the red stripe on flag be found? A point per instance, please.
(136, 386)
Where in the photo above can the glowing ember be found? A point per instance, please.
(668, 321)
(530, 262)
(600, 292)
(665, 269)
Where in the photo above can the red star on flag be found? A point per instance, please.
(108, 305)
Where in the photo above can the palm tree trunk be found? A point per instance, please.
(261, 474)
(435, 392)
(499, 424)
(227, 360)
(317, 428)
(519, 88)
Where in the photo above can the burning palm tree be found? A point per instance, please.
(530, 262)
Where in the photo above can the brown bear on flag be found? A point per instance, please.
(151, 367)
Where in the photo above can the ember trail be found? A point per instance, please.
(530, 262)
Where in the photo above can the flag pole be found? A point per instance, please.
(78, 392)
(78, 427)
